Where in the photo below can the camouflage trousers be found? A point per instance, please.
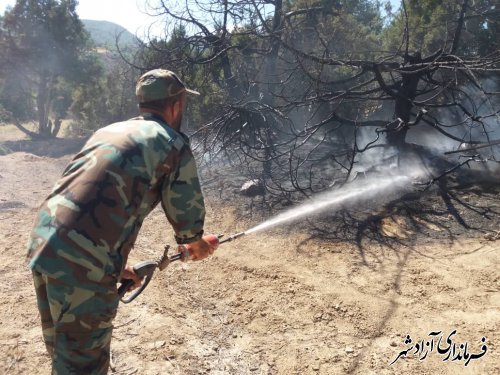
(77, 326)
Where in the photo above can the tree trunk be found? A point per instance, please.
(29, 133)
(219, 48)
(229, 78)
(43, 105)
(270, 78)
(396, 135)
(57, 127)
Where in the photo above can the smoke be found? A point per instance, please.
(432, 139)
(383, 158)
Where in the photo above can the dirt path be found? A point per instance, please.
(269, 303)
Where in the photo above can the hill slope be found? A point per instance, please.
(105, 33)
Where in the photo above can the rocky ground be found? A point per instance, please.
(339, 294)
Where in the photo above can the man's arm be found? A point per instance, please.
(182, 200)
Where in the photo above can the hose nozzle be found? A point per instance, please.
(232, 237)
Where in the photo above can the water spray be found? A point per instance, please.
(363, 191)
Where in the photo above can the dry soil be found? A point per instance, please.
(295, 300)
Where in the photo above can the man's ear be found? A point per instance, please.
(169, 112)
(178, 106)
(175, 108)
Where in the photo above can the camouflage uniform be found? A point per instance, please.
(88, 224)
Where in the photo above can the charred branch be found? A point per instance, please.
(473, 148)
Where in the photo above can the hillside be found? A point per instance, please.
(105, 33)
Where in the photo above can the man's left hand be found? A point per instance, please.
(129, 273)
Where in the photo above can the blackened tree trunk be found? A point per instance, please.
(403, 105)
(270, 79)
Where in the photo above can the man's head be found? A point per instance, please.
(160, 91)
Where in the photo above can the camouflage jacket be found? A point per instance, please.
(88, 224)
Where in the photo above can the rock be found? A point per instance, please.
(492, 236)
(156, 344)
(349, 350)
(317, 317)
(252, 188)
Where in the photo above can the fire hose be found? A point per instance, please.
(146, 269)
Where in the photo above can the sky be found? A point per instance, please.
(127, 13)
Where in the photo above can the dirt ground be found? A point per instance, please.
(294, 300)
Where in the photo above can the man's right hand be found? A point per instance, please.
(200, 249)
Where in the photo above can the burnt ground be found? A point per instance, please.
(335, 293)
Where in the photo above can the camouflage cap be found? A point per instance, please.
(159, 84)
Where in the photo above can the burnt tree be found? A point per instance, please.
(319, 88)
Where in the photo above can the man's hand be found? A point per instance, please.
(200, 249)
(129, 273)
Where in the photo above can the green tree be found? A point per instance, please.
(427, 26)
(46, 48)
(104, 99)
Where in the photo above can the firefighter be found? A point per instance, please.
(86, 227)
